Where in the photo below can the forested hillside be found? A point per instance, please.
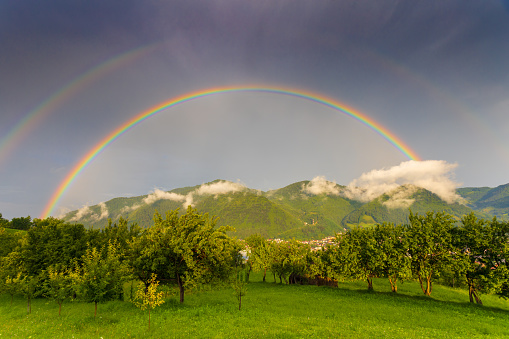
(293, 211)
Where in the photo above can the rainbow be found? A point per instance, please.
(123, 128)
(70, 89)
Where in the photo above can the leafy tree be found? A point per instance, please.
(121, 233)
(9, 241)
(368, 257)
(10, 285)
(27, 285)
(3, 222)
(58, 286)
(52, 243)
(101, 276)
(260, 255)
(23, 223)
(430, 246)
(187, 250)
(239, 284)
(393, 243)
(11, 269)
(148, 297)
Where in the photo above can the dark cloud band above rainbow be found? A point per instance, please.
(96, 150)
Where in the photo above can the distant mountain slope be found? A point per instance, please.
(394, 207)
(491, 201)
(294, 211)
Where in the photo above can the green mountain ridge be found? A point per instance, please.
(292, 211)
(490, 201)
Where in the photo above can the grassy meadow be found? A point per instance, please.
(270, 310)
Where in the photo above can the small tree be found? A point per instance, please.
(100, 277)
(10, 285)
(393, 243)
(28, 287)
(430, 246)
(359, 255)
(239, 285)
(58, 286)
(184, 249)
(148, 297)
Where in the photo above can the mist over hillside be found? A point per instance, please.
(302, 210)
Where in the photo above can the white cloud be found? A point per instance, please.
(401, 197)
(104, 212)
(220, 187)
(130, 208)
(162, 195)
(434, 175)
(85, 210)
(319, 185)
(216, 188)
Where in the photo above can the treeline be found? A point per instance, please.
(60, 260)
(432, 247)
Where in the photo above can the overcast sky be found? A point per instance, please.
(434, 73)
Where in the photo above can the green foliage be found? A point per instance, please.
(430, 246)
(396, 261)
(185, 249)
(360, 255)
(148, 297)
(51, 242)
(23, 223)
(58, 286)
(101, 275)
(239, 285)
(28, 287)
(9, 239)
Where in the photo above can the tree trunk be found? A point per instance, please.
(95, 312)
(264, 273)
(240, 299)
(59, 308)
(181, 288)
(28, 306)
(370, 283)
(394, 286)
(426, 290)
(149, 318)
(472, 294)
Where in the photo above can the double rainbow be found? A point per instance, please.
(117, 132)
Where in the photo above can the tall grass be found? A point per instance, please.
(271, 310)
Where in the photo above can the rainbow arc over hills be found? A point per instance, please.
(139, 118)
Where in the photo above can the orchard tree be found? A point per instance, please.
(430, 246)
(52, 243)
(184, 249)
(27, 285)
(368, 256)
(396, 261)
(259, 256)
(11, 270)
(148, 297)
(23, 223)
(101, 275)
(58, 286)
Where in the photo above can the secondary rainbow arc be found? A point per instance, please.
(123, 128)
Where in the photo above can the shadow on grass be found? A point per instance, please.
(426, 299)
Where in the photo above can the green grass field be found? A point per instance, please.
(271, 310)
